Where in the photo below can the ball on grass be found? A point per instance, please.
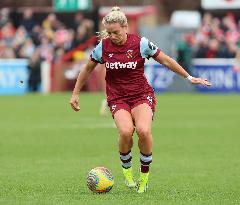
(100, 180)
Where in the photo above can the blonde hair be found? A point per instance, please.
(114, 16)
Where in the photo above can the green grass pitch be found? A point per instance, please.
(46, 151)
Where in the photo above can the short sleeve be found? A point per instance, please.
(96, 55)
(148, 49)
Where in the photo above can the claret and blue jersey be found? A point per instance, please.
(125, 65)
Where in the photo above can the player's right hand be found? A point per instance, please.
(74, 102)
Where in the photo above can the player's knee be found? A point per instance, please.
(126, 133)
(143, 133)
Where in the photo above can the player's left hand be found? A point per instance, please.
(200, 81)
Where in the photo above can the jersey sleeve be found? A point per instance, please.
(148, 49)
(96, 55)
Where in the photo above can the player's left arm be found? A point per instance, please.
(170, 63)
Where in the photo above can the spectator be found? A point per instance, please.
(214, 49)
(27, 49)
(202, 47)
(4, 17)
(217, 38)
(34, 71)
(49, 25)
(81, 36)
(50, 36)
(46, 49)
(28, 21)
(184, 52)
(8, 33)
(20, 37)
(78, 19)
(36, 34)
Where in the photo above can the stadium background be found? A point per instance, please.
(46, 149)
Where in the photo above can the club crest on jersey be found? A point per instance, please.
(110, 55)
(129, 53)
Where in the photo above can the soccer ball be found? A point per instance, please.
(100, 180)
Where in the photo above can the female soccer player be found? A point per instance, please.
(130, 98)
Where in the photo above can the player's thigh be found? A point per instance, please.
(142, 115)
(124, 123)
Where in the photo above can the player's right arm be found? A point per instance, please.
(95, 58)
(81, 80)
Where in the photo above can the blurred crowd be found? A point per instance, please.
(47, 39)
(50, 38)
(215, 38)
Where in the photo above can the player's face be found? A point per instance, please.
(117, 33)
